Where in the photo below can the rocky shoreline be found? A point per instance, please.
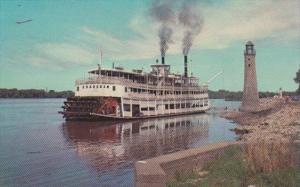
(277, 120)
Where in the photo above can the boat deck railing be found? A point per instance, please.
(131, 83)
(152, 97)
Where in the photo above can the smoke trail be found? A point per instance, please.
(162, 12)
(193, 22)
(165, 35)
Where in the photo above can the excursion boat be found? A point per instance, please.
(118, 94)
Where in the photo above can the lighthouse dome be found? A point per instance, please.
(249, 43)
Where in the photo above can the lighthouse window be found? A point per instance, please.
(90, 86)
(77, 88)
(93, 86)
(248, 65)
(107, 86)
(125, 89)
(114, 88)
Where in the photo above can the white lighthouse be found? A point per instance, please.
(250, 102)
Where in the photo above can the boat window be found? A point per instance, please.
(171, 106)
(182, 105)
(144, 109)
(114, 88)
(126, 107)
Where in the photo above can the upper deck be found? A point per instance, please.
(159, 77)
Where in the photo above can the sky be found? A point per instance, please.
(63, 40)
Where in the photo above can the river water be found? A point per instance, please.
(38, 148)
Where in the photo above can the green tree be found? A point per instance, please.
(297, 80)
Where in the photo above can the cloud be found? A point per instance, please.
(234, 21)
(251, 20)
(61, 55)
(141, 47)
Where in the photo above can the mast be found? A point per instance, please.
(100, 64)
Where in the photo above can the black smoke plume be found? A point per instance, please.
(192, 22)
(161, 11)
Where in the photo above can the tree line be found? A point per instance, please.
(33, 93)
(40, 93)
(238, 95)
(297, 80)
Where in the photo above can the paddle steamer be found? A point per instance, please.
(116, 94)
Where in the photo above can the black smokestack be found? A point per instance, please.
(162, 12)
(162, 60)
(185, 66)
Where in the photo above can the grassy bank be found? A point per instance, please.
(261, 165)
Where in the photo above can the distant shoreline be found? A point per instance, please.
(237, 95)
(33, 94)
(44, 94)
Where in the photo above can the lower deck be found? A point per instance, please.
(125, 108)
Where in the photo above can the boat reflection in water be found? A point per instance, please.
(115, 146)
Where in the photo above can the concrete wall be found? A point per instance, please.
(157, 171)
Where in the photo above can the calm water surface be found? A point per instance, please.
(38, 148)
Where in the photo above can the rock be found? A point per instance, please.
(203, 173)
(280, 122)
(240, 131)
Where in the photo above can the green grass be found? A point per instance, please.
(230, 170)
